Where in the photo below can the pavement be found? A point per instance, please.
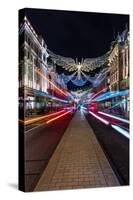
(78, 161)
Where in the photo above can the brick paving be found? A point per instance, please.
(78, 161)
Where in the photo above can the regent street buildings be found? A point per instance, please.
(119, 62)
(37, 80)
(118, 76)
(42, 89)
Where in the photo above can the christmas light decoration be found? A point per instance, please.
(86, 65)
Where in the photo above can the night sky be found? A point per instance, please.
(77, 34)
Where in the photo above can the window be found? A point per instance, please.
(21, 39)
(21, 54)
(31, 44)
(31, 58)
(26, 38)
(28, 55)
(29, 41)
(44, 58)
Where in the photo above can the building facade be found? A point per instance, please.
(117, 79)
(41, 90)
(113, 63)
(118, 76)
(124, 64)
(32, 57)
(119, 62)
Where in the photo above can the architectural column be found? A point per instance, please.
(33, 75)
(123, 59)
(25, 73)
(127, 62)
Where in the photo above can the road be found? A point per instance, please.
(115, 146)
(40, 143)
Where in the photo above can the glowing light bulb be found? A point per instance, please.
(79, 66)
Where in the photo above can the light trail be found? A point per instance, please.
(118, 103)
(53, 119)
(93, 96)
(42, 75)
(68, 108)
(41, 125)
(111, 94)
(30, 121)
(101, 119)
(20, 120)
(114, 117)
(83, 108)
(121, 131)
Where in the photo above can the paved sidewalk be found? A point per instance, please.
(78, 161)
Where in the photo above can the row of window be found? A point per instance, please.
(33, 45)
(33, 59)
(114, 77)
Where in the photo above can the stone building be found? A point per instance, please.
(123, 41)
(113, 63)
(40, 88)
(124, 64)
(32, 56)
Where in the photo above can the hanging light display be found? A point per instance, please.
(79, 69)
(95, 80)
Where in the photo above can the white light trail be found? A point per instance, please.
(121, 131)
(84, 108)
(101, 119)
(117, 128)
(120, 102)
(114, 117)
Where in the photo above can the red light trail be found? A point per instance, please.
(53, 119)
(103, 90)
(42, 75)
(30, 121)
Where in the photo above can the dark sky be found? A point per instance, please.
(77, 34)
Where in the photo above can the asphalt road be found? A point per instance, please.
(40, 144)
(115, 146)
